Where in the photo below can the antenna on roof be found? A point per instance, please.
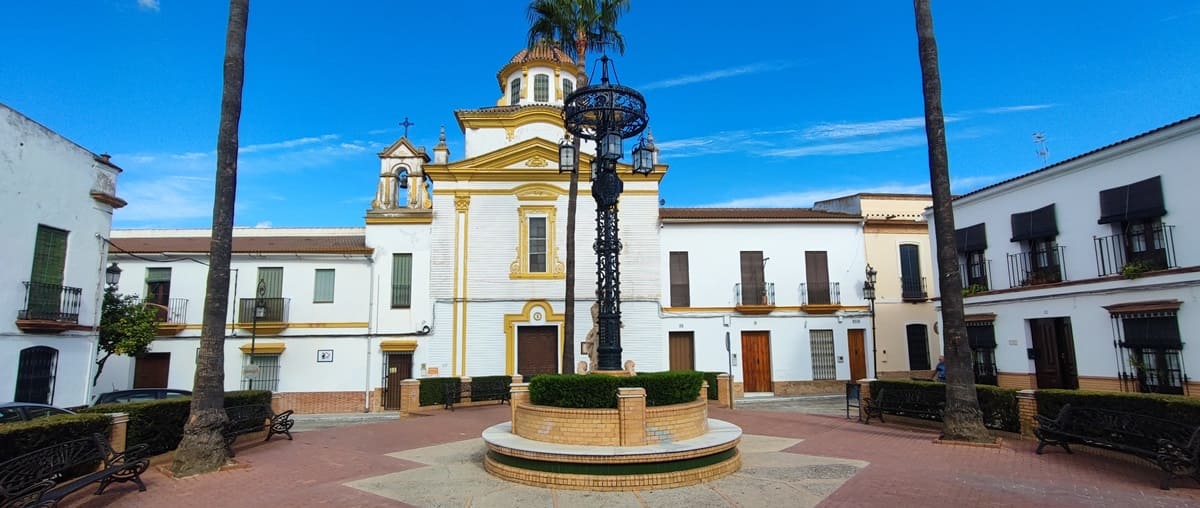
(1039, 139)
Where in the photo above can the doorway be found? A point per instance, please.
(682, 351)
(537, 350)
(857, 345)
(756, 361)
(1054, 353)
(399, 368)
(151, 370)
(918, 346)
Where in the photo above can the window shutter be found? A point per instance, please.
(1040, 223)
(1139, 200)
(401, 280)
(752, 277)
(323, 285)
(49, 256)
(514, 92)
(541, 88)
(1158, 332)
(680, 288)
(274, 278)
(972, 238)
(816, 266)
(981, 335)
(158, 275)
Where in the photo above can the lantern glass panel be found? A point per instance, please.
(610, 146)
(566, 158)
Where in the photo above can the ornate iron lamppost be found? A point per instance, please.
(112, 275)
(260, 311)
(869, 295)
(607, 114)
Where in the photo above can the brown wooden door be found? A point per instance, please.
(683, 353)
(537, 350)
(1046, 358)
(856, 342)
(753, 285)
(150, 370)
(756, 361)
(399, 368)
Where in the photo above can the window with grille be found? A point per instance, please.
(537, 244)
(1151, 346)
(568, 87)
(680, 290)
(36, 368)
(267, 377)
(541, 88)
(981, 336)
(514, 92)
(401, 281)
(824, 364)
(323, 285)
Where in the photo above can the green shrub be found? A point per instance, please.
(592, 391)
(19, 438)
(433, 390)
(1176, 408)
(490, 384)
(159, 423)
(999, 405)
(711, 377)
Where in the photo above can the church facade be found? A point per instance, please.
(459, 269)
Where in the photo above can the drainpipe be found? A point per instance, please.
(367, 339)
(94, 337)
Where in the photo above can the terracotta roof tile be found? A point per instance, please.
(753, 214)
(541, 52)
(341, 244)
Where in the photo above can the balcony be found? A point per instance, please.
(274, 317)
(912, 289)
(754, 298)
(975, 276)
(49, 308)
(820, 297)
(1035, 268)
(1133, 253)
(172, 317)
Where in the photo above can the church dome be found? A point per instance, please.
(541, 52)
(549, 72)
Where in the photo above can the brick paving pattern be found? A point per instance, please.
(905, 467)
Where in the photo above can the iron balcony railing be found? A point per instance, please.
(754, 294)
(820, 293)
(275, 310)
(1133, 253)
(174, 312)
(1033, 268)
(975, 276)
(51, 302)
(912, 288)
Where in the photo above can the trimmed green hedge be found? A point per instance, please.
(489, 383)
(1177, 408)
(433, 390)
(999, 405)
(19, 438)
(711, 377)
(159, 423)
(592, 391)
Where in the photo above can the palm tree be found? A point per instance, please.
(575, 26)
(203, 449)
(963, 421)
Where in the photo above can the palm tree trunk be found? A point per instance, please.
(963, 420)
(202, 449)
(568, 353)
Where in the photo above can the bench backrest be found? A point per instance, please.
(249, 417)
(488, 389)
(68, 459)
(1122, 428)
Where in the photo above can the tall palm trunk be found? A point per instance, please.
(202, 449)
(963, 421)
(568, 352)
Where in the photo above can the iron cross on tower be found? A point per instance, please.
(406, 124)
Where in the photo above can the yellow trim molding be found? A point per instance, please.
(519, 268)
(264, 348)
(263, 324)
(537, 192)
(425, 219)
(398, 345)
(529, 315)
(509, 164)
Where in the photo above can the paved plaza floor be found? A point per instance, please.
(789, 459)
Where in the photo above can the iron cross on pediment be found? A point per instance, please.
(406, 124)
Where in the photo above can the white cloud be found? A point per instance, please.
(872, 145)
(728, 72)
(855, 129)
(164, 200)
(263, 225)
(1015, 109)
(149, 5)
(291, 143)
(805, 198)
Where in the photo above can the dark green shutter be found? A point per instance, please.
(402, 280)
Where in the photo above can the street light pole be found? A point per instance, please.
(869, 294)
(259, 311)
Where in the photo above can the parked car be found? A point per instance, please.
(25, 411)
(139, 395)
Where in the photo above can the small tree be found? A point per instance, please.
(127, 327)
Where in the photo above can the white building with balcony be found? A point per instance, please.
(1086, 273)
(57, 202)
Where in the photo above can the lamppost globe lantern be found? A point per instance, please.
(871, 273)
(868, 291)
(112, 274)
(568, 158)
(610, 147)
(643, 159)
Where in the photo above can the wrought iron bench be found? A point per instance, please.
(1172, 446)
(255, 418)
(44, 477)
(478, 390)
(918, 403)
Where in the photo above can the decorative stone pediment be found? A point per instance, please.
(402, 148)
(538, 192)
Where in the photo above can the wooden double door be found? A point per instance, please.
(537, 350)
(1054, 353)
(152, 370)
(399, 368)
(756, 362)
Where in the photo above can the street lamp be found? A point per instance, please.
(607, 113)
(869, 294)
(260, 310)
(112, 274)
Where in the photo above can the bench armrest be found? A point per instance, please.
(131, 453)
(1045, 422)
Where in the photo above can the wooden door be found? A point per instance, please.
(816, 266)
(537, 350)
(1045, 353)
(1065, 342)
(158, 293)
(918, 346)
(756, 361)
(151, 369)
(683, 353)
(399, 368)
(753, 285)
(856, 342)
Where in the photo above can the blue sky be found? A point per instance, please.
(757, 103)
